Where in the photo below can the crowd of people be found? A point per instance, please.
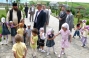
(23, 35)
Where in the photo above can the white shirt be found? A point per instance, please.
(37, 15)
(43, 36)
(15, 18)
(32, 9)
(85, 33)
(49, 10)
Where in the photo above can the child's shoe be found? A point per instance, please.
(40, 49)
(43, 51)
(47, 53)
(55, 53)
(59, 56)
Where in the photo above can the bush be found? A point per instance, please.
(87, 23)
(21, 7)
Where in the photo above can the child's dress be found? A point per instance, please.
(65, 36)
(84, 37)
(5, 30)
(34, 38)
(13, 30)
(50, 43)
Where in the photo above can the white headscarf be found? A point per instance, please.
(41, 28)
(3, 19)
(50, 31)
(65, 25)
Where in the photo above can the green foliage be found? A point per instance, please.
(7, 9)
(32, 2)
(21, 7)
(87, 23)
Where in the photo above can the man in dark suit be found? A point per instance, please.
(62, 17)
(26, 10)
(32, 12)
(40, 19)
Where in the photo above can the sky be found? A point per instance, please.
(86, 1)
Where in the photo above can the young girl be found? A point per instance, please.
(83, 23)
(84, 36)
(28, 34)
(24, 26)
(50, 40)
(19, 48)
(65, 32)
(42, 39)
(5, 31)
(33, 42)
(20, 30)
(13, 31)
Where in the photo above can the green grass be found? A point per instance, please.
(2, 12)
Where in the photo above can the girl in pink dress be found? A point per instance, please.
(65, 33)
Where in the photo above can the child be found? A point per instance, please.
(77, 29)
(19, 49)
(20, 30)
(24, 35)
(83, 23)
(42, 40)
(33, 42)
(5, 31)
(84, 36)
(50, 40)
(28, 34)
(65, 32)
(13, 31)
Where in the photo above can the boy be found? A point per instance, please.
(19, 49)
(28, 34)
(77, 28)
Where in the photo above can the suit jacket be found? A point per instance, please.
(41, 19)
(26, 9)
(63, 16)
(69, 20)
(47, 15)
(32, 12)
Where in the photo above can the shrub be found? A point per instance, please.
(87, 23)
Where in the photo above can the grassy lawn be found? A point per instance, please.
(2, 12)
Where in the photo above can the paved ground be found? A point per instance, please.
(74, 51)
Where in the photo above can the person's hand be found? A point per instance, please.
(33, 43)
(24, 56)
(60, 19)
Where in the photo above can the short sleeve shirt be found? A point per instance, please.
(19, 48)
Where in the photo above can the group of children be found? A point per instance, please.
(82, 32)
(30, 36)
(13, 29)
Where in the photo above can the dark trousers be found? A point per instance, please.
(26, 13)
(24, 38)
(45, 28)
(60, 24)
(31, 17)
(76, 33)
